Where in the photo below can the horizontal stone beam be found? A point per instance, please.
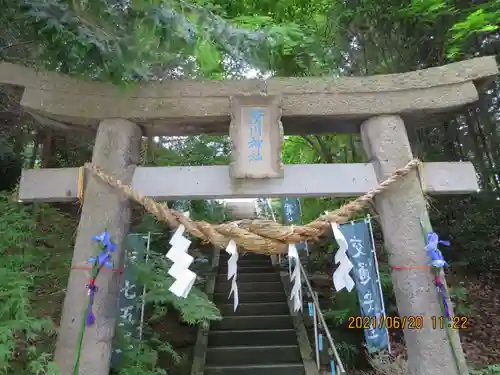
(214, 182)
(310, 104)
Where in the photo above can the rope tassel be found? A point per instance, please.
(296, 293)
(184, 278)
(232, 271)
(341, 277)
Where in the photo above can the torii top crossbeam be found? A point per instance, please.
(310, 105)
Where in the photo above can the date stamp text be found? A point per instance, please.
(417, 322)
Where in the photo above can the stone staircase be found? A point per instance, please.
(259, 338)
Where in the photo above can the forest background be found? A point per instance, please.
(126, 42)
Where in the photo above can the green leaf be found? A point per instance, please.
(207, 56)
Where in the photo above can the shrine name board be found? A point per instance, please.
(257, 136)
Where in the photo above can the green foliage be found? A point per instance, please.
(297, 151)
(348, 352)
(488, 370)
(460, 299)
(478, 20)
(470, 229)
(296, 29)
(387, 288)
(141, 356)
(196, 308)
(343, 305)
(213, 211)
(21, 331)
(148, 39)
(10, 164)
(385, 364)
(192, 151)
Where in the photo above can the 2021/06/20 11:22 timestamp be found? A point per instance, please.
(457, 322)
(409, 322)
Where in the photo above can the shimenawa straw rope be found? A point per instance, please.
(258, 236)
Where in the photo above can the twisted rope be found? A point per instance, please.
(258, 236)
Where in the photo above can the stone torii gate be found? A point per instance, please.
(260, 112)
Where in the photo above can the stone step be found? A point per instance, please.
(260, 297)
(281, 369)
(225, 287)
(245, 260)
(248, 263)
(249, 269)
(259, 337)
(251, 256)
(249, 309)
(253, 337)
(253, 322)
(252, 355)
(252, 277)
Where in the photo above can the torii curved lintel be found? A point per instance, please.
(310, 104)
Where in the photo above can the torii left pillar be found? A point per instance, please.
(116, 149)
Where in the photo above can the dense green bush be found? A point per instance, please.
(471, 224)
(23, 333)
(36, 246)
(141, 357)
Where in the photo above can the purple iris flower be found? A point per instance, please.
(437, 259)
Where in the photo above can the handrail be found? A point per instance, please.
(319, 313)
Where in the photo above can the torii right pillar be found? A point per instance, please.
(401, 210)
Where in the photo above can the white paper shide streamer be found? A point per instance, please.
(232, 270)
(296, 293)
(341, 277)
(184, 278)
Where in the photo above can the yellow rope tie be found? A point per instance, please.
(420, 173)
(81, 184)
(258, 236)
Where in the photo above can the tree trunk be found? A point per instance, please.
(449, 141)
(479, 157)
(34, 150)
(489, 124)
(487, 153)
(48, 150)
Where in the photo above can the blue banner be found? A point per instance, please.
(365, 276)
(291, 215)
(130, 304)
(291, 210)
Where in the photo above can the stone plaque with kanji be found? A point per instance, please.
(256, 134)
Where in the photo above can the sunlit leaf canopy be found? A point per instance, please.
(129, 40)
(120, 40)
